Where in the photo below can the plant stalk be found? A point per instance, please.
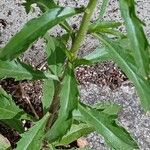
(54, 107)
(75, 47)
(83, 27)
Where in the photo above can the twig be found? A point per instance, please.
(26, 98)
(83, 27)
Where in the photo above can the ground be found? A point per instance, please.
(94, 85)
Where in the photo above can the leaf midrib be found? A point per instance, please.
(103, 125)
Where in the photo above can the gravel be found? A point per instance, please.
(132, 117)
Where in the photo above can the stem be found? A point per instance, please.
(25, 97)
(54, 107)
(83, 27)
(75, 47)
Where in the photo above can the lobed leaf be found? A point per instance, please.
(32, 139)
(34, 29)
(106, 125)
(136, 35)
(20, 71)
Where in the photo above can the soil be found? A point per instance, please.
(23, 90)
(106, 74)
(98, 83)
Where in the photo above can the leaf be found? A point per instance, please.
(125, 61)
(77, 116)
(48, 93)
(55, 58)
(103, 9)
(42, 4)
(75, 132)
(98, 26)
(34, 29)
(98, 55)
(14, 123)
(66, 26)
(56, 55)
(106, 125)
(113, 32)
(4, 143)
(81, 61)
(8, 109)
(32, 139)
(68, 102)
(106, 27)
(20, 71)
(136, 35)
(108, 108)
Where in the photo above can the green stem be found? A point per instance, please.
(75, 47)
(54, 107)
(83, 27)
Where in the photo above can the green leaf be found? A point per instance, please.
(113, 32)
(14, 123)
(108, 108)
(105, 124)
(55, 58)
(125, 61)
(75, 132)
(106, 27)
(136, 35)
(8, 109)
(20, 71)
(42, 4)
(98, 55)
(77, 116)
(66, 26)
(98, 26)
(4, 143)
(48, 93)
(56, 55)
(34, 29)
(32, 139)
(68, 102)
(103, 9)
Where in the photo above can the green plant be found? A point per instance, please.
(65, 118)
